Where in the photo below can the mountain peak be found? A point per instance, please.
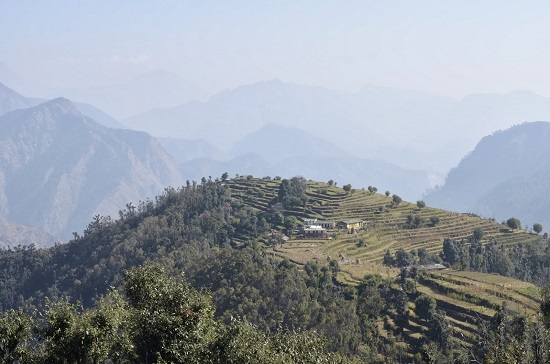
(59, 106)
(61, 102)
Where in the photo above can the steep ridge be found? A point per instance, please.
(11, 100)
(503, 175)
(59, 168)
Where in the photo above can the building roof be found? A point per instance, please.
(315, 228)
(352, 221)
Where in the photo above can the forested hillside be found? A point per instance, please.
(226, 236)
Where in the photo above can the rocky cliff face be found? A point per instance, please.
(59, 168)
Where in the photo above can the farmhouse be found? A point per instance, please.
(329, 225)
(352, 225)
(315, 231)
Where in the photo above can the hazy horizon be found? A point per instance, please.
(435, 47)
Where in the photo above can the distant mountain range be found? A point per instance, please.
(378, 136)
(408, 128)
(507, 174)
(277, 150)
(232, 114)
(411, 129)
(58, 168)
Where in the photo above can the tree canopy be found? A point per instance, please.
(153, 319)
(513, 223)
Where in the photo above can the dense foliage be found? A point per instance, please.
(246, 305)
(156, 319)
(527, 262)
(197, 230)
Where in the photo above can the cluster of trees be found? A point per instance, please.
(414, 221)
(396, 200)
(153, 318)
(292, 192)
(525, 261)
(511, 337)
(402, 258)
(514, 224)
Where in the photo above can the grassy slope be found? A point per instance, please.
(464, 296)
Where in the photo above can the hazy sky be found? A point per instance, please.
(443, 47)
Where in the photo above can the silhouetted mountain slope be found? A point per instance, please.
(90, 111)
(59, 168)
(526, 198)
(505, 175)
(248, 164)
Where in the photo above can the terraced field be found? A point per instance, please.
(385, 223)
(467, 297)
(464, 296)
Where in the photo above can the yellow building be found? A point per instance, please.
(352, 225)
